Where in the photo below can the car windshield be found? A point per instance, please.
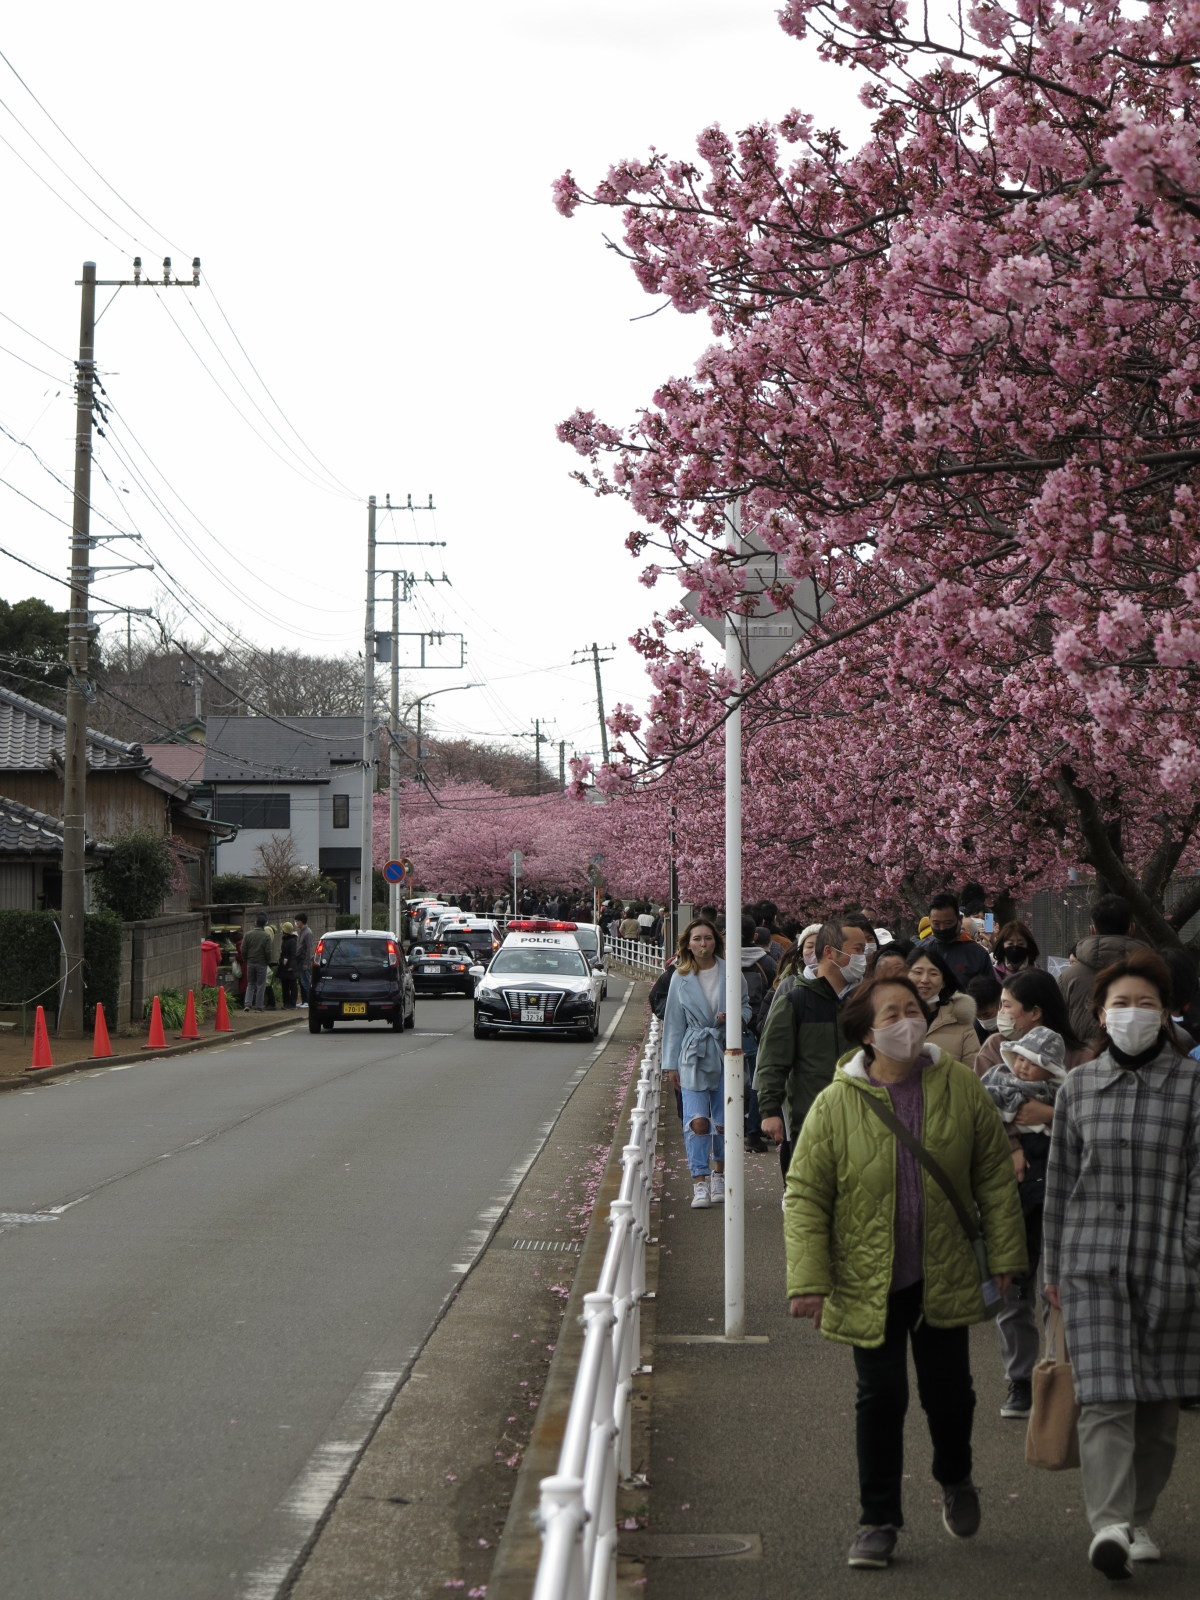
(555, 963)
(362, 954)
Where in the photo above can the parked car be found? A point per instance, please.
(360, 977)
(537, 982)
(590, 940)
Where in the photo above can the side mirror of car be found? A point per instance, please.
(477, 972)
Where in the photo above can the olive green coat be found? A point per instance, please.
(840, 1206)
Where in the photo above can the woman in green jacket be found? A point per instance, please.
(878, 1258)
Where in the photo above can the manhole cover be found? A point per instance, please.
(679, 1546)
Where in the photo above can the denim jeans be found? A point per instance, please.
(304, 978)
(942, 1359)
(704, 1148)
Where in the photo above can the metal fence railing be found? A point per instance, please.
(638, 956)
(578, 1509)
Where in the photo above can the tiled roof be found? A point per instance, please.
(295, 749)
(31, 734)
(25, 832)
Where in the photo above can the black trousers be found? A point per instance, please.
(941, 1357)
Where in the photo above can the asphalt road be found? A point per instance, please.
(214, 1272)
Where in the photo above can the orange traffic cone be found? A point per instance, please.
(100, 1044)
(157, 1039)
(190, 1030)
(41, 1043)
(222, 1024)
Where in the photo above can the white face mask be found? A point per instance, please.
(989, 1024)
(1006, 1024)
(1133, 1029)
(900, 1041)
(855, 970)
(870, 950)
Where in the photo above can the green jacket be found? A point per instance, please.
(256, 947)
(798, 1051)
(840, 1205)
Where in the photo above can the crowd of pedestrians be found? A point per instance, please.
(964, 1136)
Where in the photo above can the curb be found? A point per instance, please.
(186, 1047)
(519, 1548)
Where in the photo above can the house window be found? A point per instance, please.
(341, 810)
(255, 810)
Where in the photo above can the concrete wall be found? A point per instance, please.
(164, 953)
(320, 917)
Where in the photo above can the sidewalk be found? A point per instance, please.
(758, 1441)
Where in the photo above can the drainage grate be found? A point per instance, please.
(565, 1245)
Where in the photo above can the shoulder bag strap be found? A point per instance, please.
(888, 1117)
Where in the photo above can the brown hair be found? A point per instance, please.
(857, 1016)
(1020, 931)
(683, 954)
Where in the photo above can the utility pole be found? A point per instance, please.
(581, 656)
(394, 919)
(562, 763)
(539, 739)
(70, 1015)
(371, 646)
(367, 853)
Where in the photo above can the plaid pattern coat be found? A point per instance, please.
(1122, 1227)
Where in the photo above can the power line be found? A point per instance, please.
(54, 377)
(36, 339)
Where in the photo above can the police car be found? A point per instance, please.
(539, 981)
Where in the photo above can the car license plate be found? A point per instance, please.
(430, 972)
(531, 1013)
(353, 1008)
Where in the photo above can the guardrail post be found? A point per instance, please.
(561, 1516)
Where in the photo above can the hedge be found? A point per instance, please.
(33, 961)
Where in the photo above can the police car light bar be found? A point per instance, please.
(537, 925)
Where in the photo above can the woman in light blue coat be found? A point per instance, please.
(694, 1054)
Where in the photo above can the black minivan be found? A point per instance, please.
(360, 977)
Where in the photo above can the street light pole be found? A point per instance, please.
(735, 1151)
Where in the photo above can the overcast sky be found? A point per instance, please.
(368, 188)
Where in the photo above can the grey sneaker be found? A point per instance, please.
(1020, 1399)
(960, 1509)
(873, 1546)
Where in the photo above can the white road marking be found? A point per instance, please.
(300, 1513)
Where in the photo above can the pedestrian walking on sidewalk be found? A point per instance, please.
(1121, 1240)
(878, 1257)
(304, 955)
(801, 1042)
(693, 1054)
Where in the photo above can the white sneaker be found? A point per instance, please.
(1142, 1547)
(717, 1187)
(1109, 1551)
(701, 1198)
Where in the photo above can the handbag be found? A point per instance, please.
(993, 1300)
(1052, 1437)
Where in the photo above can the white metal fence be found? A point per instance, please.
(578, 1510)
(638, 955)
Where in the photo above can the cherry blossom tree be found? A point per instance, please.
(956, 382)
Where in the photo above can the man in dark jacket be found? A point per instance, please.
(1111, 939)
(962, 955)
(802, 1040)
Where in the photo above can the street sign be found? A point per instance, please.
(767, 634)
(518, 862)
(400, 872)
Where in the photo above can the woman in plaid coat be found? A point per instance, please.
(1122, 1252)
